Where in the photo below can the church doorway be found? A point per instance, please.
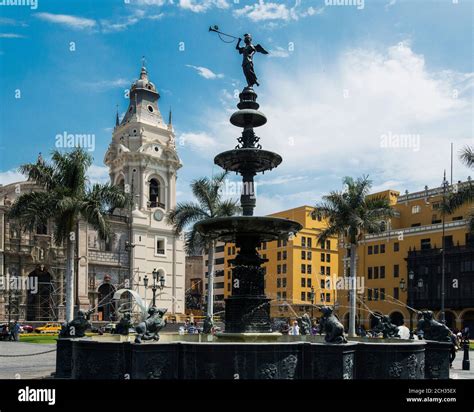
(40, 303)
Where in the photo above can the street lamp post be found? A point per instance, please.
(145, 283)
(312, 302)
(160, 277)
(443, 247)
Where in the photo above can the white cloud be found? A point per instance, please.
(279, 52)
(106, 84)
(74, 22)
(332, 120)
(201, 143)
(262, 11)
(199, 6)
(205, 72)
(98, 174)
(11, 176)
(11, 36)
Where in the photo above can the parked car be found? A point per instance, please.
(4, 332)
(26, 329)
(51, 327)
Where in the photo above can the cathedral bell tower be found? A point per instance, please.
(142, 158)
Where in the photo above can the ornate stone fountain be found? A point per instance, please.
(248, 349)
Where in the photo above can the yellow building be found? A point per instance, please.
(403, 264)
(296, 268)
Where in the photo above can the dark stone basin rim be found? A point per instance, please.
(257, 160)
(266, 228)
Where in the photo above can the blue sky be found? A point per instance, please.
(379, 87)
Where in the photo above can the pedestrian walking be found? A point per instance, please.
(295, 329)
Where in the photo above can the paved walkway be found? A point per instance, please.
(26, 367)
(40, 366)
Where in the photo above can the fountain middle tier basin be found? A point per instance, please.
(265, 228)
(246, 159)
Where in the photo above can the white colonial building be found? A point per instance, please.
(141, 158)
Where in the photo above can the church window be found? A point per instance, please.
(150, 108)
(154, 195)
(160, 246)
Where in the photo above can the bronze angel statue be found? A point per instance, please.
(247, 62)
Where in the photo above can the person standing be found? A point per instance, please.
(295, 329)
(15, 331)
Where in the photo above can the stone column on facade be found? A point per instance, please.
(82, 267)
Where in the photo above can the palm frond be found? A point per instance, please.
(467, 156)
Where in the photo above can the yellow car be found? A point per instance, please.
(52, 327)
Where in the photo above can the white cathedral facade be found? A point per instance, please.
(141, 158)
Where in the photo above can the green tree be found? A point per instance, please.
(350, 213)
(210, 204)
(65, 198)
(465, 194)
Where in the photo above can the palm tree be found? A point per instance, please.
(210, 204)
(65, 198)
(465, 194)
(351, 213)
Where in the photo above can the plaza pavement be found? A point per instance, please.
(42, 365)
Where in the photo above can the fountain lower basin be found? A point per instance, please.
(270, 357)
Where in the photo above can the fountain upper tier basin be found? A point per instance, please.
(267, 229)
(256, 160)
(248, 118)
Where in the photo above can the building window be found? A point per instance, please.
(303, 241)
(303, 296)
(154, 193)
(322, 284)
(376, 294)
(328, 257)
(278, 295)
(322, 270)
(396, 247)
(279, 269)
(309, 242)
(309, 255)
(278, 255)
(425, 244)
(369, 294)
(303, 255)
(396, 271)
(328, 297)
(279, 283)
(41, 229)
(382, 272)
(396, 293)
(376, 272)
(323, 256)
(308, 282)
(328, 270)
(303, 268)
(369, 273)
(382, 293)
(283, 268)
(279, 243)
(382, 248)
(308, 296)
(284, 254)
(415, 209)
(308, 269)
(376, 249)
(370, 250)
(160, 246)
(328, 244)
(283, 284)
(303, 282)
